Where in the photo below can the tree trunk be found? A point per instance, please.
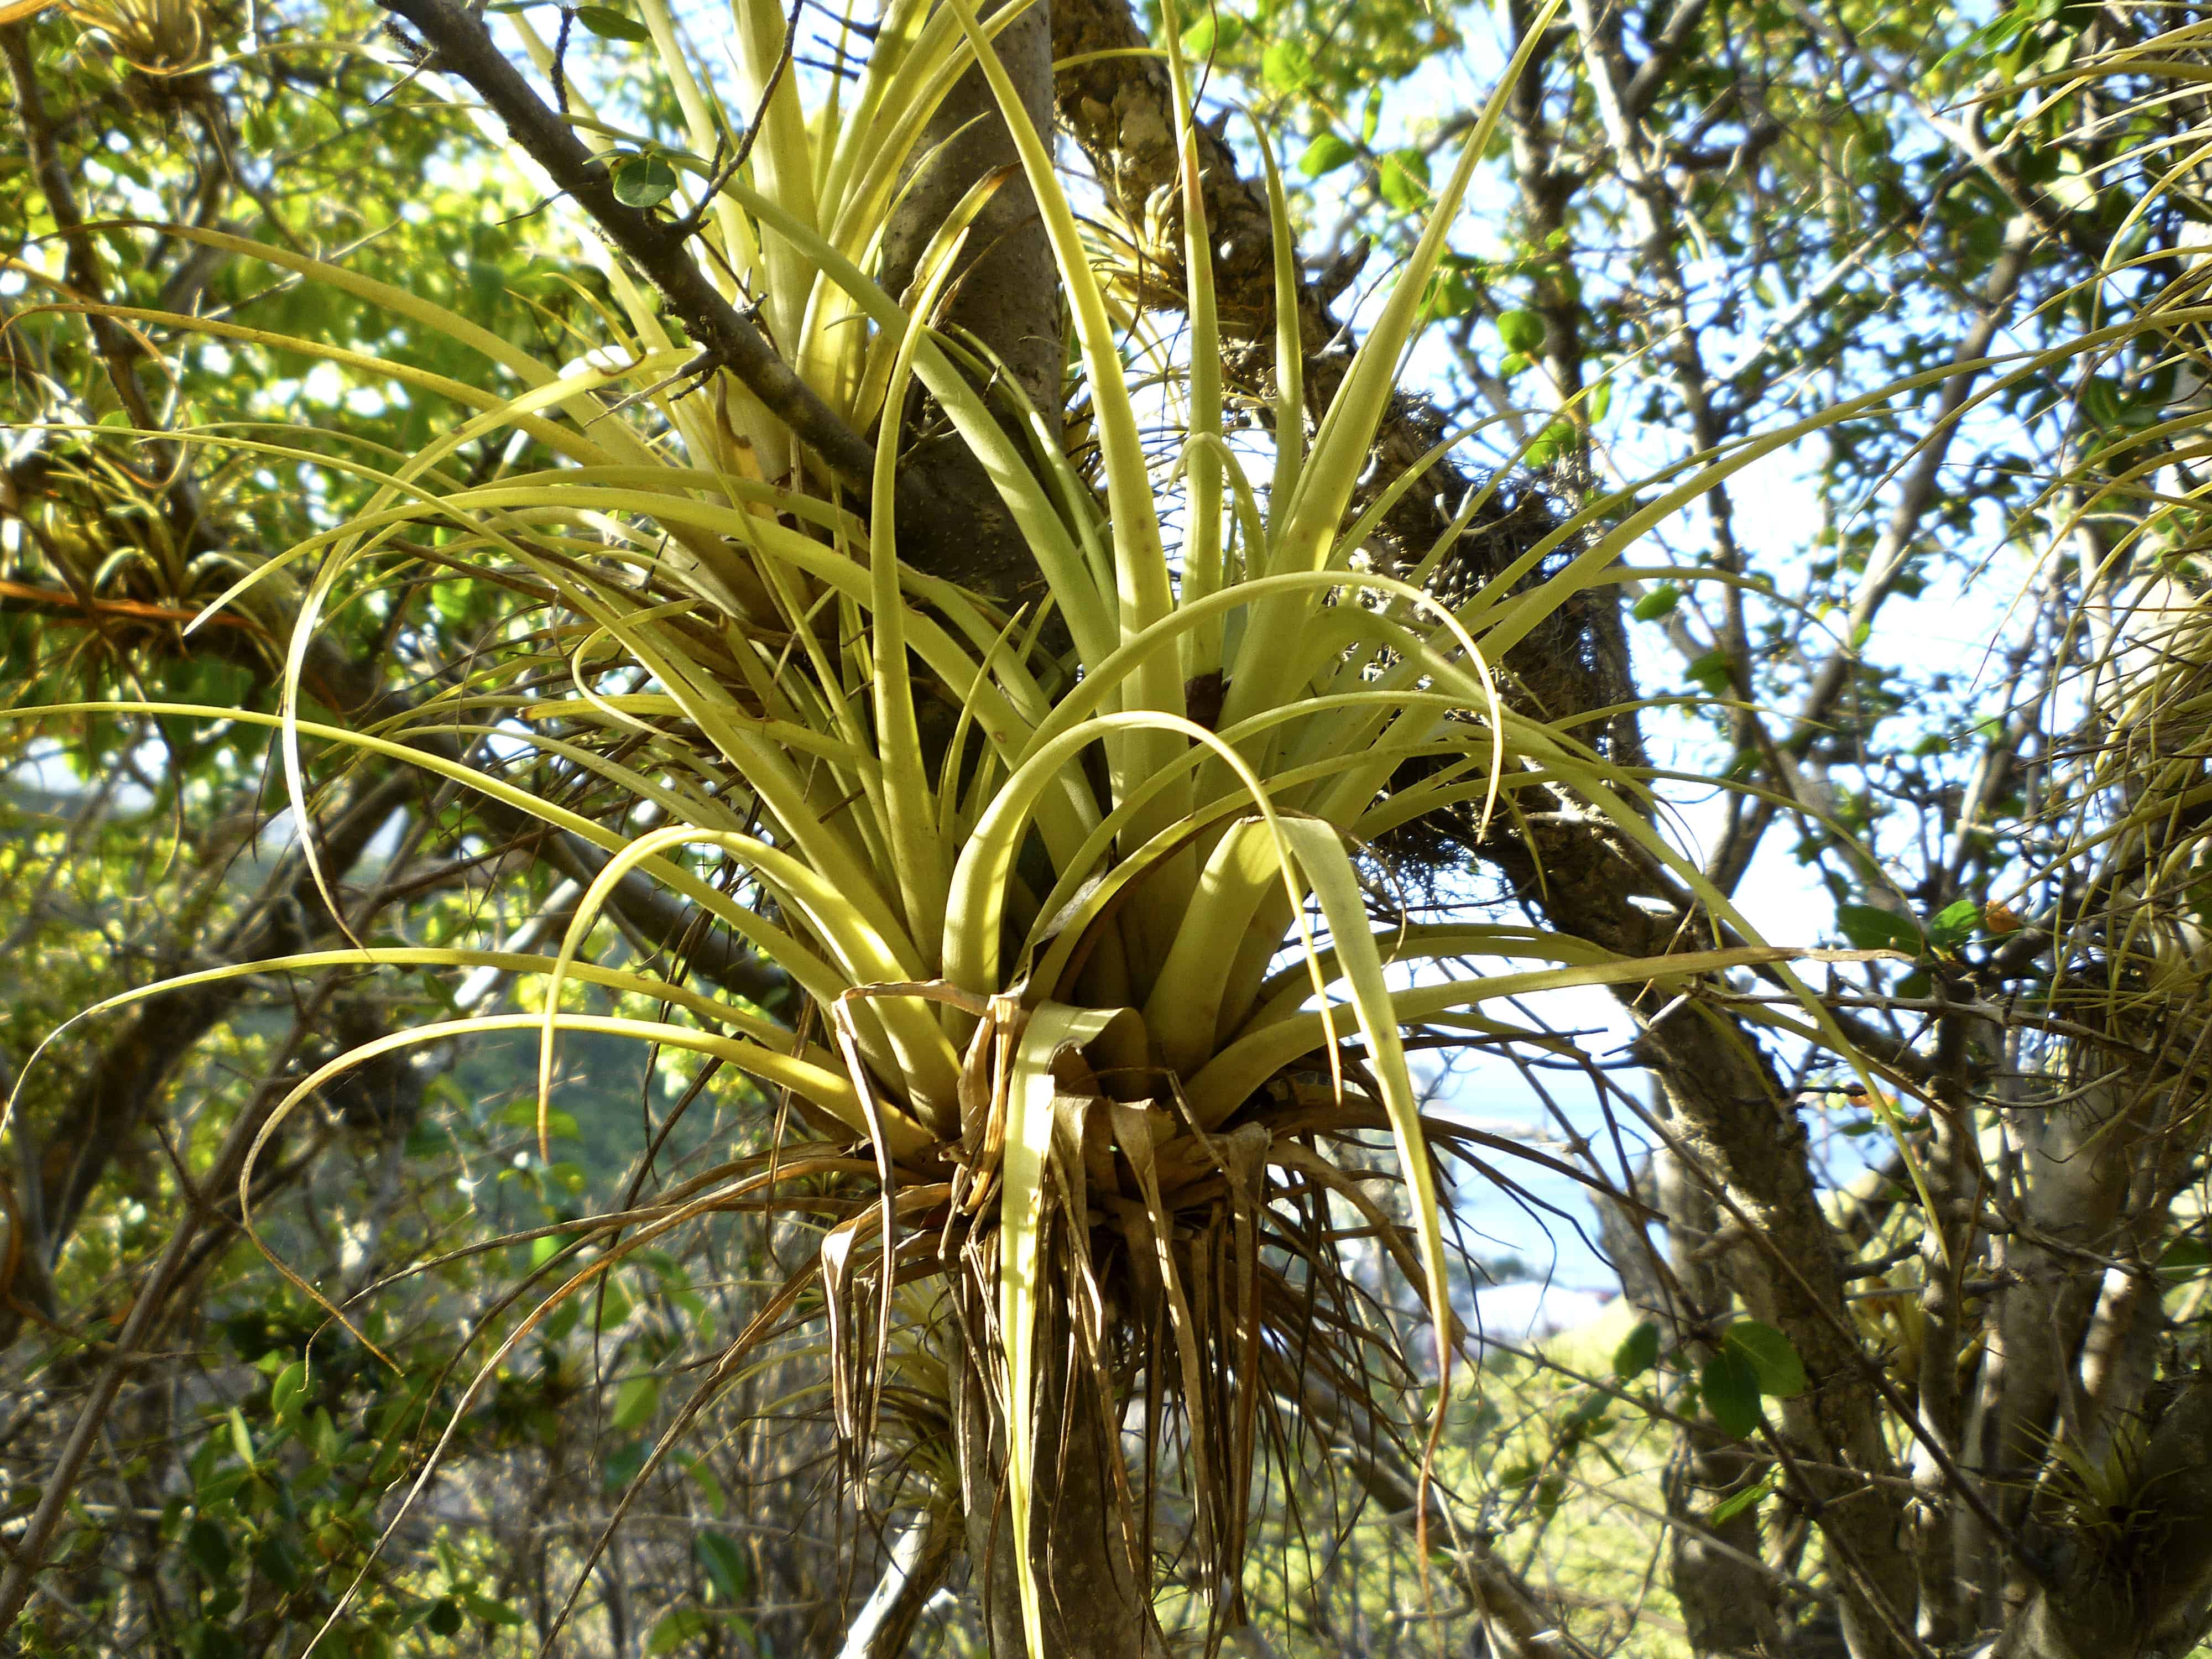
(1005, 297)
(1728, 1597)
(1094, 1605)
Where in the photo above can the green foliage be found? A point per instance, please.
(1325, 155)
(1727, 1384)
(1781, 1375)
(1871, 927)
(611, 25)
(665, 619)
(1638, 1352)
(644, 181)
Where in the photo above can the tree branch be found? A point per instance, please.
(1887, 565)
(725, 337)
(1650, 76)
(119, 349)
(919, 1560)
(112, 1099)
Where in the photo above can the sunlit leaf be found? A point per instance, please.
(1403, 179)
(635, 1403)
(285, 1391)
(1781, 1374)
(644, 181)
(1638, 1352)
(1325, 153)
(1286, 66)
(1954, 924)
(611, 25)
(1521, 331)
(1736, 1502)
(1870, 928)
(726, 1565)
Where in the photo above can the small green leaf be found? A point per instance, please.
(644, 181)
(1403, 180)
(285, 1392)
(1659, 602)
(620, 1467)
(1599, 401)
(1286, 66)
(635, 1401)
(1714, 673)
(676, 1628)
(1638, 1352)
(1954, 924)
(490, 1612)
(240, 1441)
(1869, 927)
(2186, 1258)
(726, 1565)
(1217, 32)
(610, 25)
(451, 601)
(207, 1546)
(1587, 1413)
(1915, 985)
(1326, 153)
(1521, 330)
(1767, 1351)
(617, 1307)
(1736, 1502)
(279, 1562)
(1730, 1384)
(523, 1114)
(1558, 438)
(1453, 294)
(445, 1617)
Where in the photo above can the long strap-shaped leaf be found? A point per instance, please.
(1052, 1030)
(1335, 884)
(1145, 592)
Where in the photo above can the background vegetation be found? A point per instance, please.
(1732, 698)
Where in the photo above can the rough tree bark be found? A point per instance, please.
(1094, 1603)
(1004, 297)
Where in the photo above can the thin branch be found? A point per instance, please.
(726, 338)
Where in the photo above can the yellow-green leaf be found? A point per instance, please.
(610, 25)
(1325, 155)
